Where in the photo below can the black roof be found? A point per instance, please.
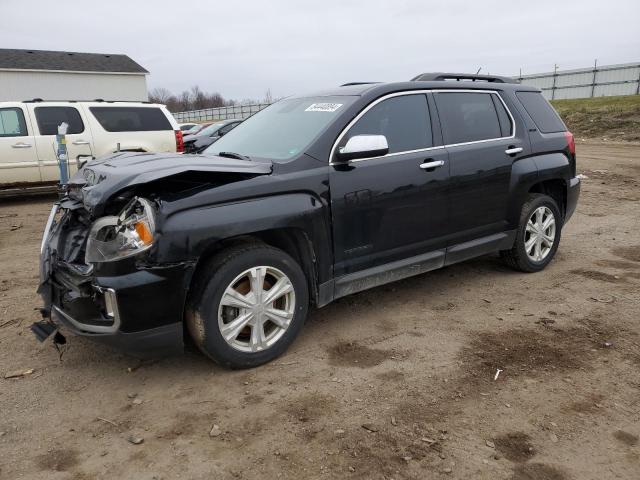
(67, 61)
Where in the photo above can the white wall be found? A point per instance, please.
(18, 86)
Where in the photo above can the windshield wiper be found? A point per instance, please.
(235, 155)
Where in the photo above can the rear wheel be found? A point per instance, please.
(247, 306)
(538, 235)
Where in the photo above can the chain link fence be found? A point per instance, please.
(220, 113)
(596, 81)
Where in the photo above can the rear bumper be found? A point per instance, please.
(573, 193)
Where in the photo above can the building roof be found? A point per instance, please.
(67, 61)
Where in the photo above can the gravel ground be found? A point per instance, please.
(397, 382)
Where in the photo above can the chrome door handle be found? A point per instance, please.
(513, 150)
(434, 164)
(21, 145)
(80, 142)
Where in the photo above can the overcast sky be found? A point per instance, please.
(240, 48)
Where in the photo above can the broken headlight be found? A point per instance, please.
(129, 233)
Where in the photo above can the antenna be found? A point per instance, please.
(478, 70)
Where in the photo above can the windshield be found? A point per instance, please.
(282, 130)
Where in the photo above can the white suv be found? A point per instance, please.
(28, 133)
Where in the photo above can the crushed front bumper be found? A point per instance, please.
(135, 307)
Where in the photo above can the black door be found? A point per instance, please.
(482, 142)
(390, 208)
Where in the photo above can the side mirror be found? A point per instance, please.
(364, 146)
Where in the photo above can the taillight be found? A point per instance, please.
(571, 141)
(179, 141)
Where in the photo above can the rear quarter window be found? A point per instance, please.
(131, 119)
(50, 118)
(541, 112)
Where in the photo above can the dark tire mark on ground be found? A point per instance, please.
(537, 471)
(351, 354)
(596, 275)
(627, 438)
(59, 460)
(515, 446)
(628, 253)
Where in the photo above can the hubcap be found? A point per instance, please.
(540, 234)
(256, 309)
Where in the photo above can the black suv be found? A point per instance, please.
(313, 198)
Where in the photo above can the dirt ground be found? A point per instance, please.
(397, 382)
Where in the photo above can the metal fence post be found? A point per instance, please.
(595, 70)
(553, 87)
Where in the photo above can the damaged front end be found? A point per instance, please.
(102, 271)
(95, 280)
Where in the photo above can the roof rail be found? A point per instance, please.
(350, 84)
(441, 76)
(97, 100)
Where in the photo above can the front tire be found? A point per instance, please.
(538, 235)
(247, 305)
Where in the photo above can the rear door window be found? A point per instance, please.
(467, 117)
(49, 118)
(12, 123)
(403, 120)
(541, 112)
(131, 119)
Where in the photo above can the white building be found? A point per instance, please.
(50, 75)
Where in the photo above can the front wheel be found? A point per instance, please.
(247, 306)
(538, 234)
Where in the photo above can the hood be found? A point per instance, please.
(101, 178)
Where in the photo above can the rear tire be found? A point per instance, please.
(230, 313)
(538, 235)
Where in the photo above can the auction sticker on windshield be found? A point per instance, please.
(323, 107)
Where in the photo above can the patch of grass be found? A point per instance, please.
(613, 118)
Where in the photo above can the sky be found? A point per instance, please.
(241, 48)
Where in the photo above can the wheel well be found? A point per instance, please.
(293, 241)
(556, 189)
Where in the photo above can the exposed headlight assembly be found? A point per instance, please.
(129, 233)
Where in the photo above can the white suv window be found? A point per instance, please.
(12, 123)
(131, 119)
(50, 118)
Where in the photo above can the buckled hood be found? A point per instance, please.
(101, 178)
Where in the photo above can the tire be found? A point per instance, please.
(530, 261)
(239, 268)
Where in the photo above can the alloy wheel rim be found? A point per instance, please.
(540, 234)
(256, 309)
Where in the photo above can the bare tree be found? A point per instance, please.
(160, 95)
(193, 99)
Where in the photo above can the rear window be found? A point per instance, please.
(468, 117)
(12, 123)
(131, 119)
(50, 118)
(541, 112)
